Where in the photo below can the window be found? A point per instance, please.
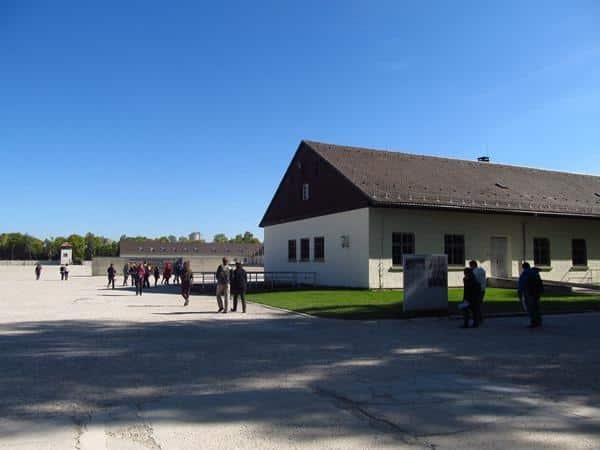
(292, 250)
(454, 247)
(304, 249)
(402, 244)
(305, 192)
(319, 249)
(579, 252)
(541, 251)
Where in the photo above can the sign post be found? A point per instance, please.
(425, 283)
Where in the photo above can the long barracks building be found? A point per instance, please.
(350, 214)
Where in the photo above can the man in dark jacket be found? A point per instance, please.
(239, 284)
(531, 289)
(222, 277)
(472, 297)
(111, 276)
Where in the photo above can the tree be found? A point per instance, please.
(250, 238)
(172, 239)
(220, 238)
(246, 238)
(78, 244)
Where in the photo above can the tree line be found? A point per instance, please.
(19, 246)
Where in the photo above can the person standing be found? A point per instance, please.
(38, 271)
(126, 273)
(177, 272)
(530, 290)
(481, 278)
(187, 276)
(239, 285)
(111, 276)
(66, 271)
(147, 272)
(141, 276)
(156, 275)
(166, 274)
(223, 277)
(62, 272)
(471, 296)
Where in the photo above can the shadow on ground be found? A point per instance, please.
(414, 381)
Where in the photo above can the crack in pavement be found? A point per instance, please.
(380, 423)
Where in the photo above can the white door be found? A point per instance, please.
(499, 257)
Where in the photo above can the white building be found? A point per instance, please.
(349, 214)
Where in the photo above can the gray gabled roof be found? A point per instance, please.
(403, 179)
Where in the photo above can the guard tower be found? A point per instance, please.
(66, 253)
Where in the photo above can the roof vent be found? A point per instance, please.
(484, 159)
(501, 186)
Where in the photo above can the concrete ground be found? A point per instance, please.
(88, 368)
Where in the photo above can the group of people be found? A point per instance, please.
(140, 274)
(64, 272)
(230, 282)
(133, 270)
(530, 290)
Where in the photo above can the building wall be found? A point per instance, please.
(429, 227)
(341, 266)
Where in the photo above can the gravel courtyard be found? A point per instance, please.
(84, 367)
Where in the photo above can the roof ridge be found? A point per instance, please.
(316, 144)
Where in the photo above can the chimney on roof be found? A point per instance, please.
(485, 159)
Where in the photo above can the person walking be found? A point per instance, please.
(66, 272)
(147, 272)
(62, 272)
(530, 290)
(111, 276)
(481, 278)
(38, 271)
(223, 277)
(471, 296)
(187, 277)
(156, 275)
(239, 285)
(166, 274)
(177, 272)
(133, 273)
(126, 274)
(141, 276)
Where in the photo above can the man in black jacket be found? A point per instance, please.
(239, 284)
(222, 277)
(111, 276)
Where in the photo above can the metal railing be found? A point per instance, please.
(589, 276)
(262, 280)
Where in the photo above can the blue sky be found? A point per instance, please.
(140, 117)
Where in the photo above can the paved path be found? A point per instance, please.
(87, 368)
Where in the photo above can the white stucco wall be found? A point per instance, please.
(342, 266)
(429, 227)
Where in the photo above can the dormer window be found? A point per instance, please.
(305, 191)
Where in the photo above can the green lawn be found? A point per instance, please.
(366, 304)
